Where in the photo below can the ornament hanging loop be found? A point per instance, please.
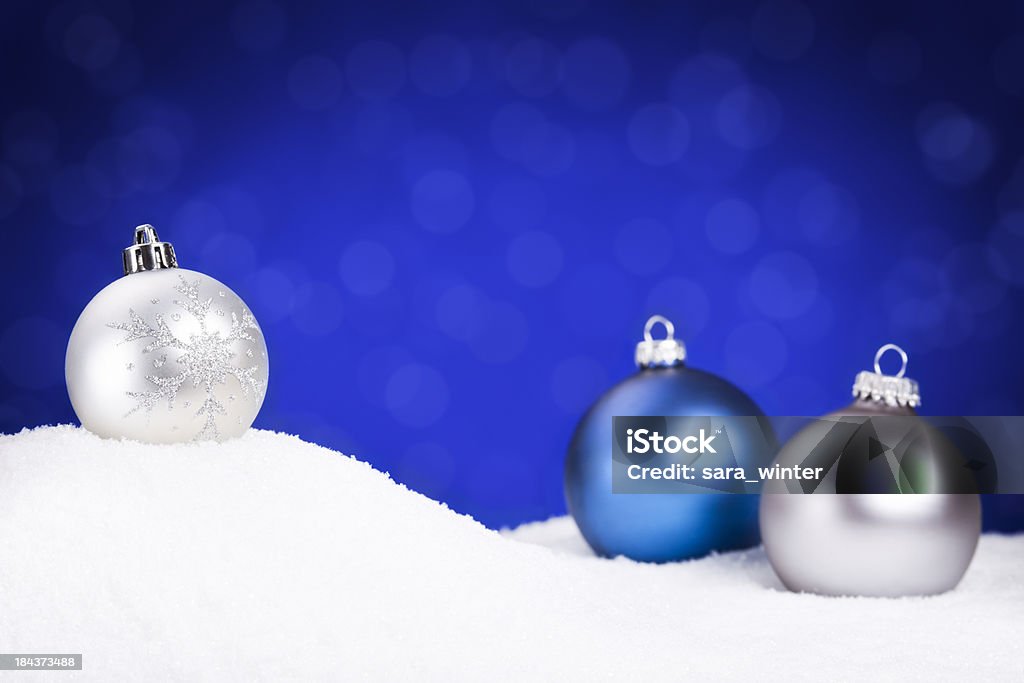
(892, 390)
(891, 347)
(670, 329)
(661, 353)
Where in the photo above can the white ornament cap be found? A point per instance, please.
(148, 252)
(893, 390)
(660, 353)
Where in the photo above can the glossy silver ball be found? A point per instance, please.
(166, 356)
(866, 544)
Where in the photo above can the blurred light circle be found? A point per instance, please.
(726, 35)
(1006, 248)
(11, 191)
(375, 369)
(917, 295)
(558, 10)
(318, 309)
(600, 155)
(576, 383)
(658, 134)
(440, 65)
(428, 151)
(957, 147)
(274, 294)
(136, 113)
(894, 58)
(381, 129)
(548, 149)
(643, 246)
(597, 300)
(534, 259)
(105, 158)
(813, 324)
(242, 209)
(517, 203)
(375, 70)
(684, 302)
(696, 89)
(827, 214)
(32, 352)
(755, 354)
(1011, 195)
(258, 25)
(459, 312)
(503, 335)
(533, 67)
(703, 80)
(442, 201)
(366, 267)
(122, 75)
(732, 226)
(1008, 65)
(314, 83)
(239, 264)
(596, 74)
(80, 195)
(195, 219)
(748, 117)
(91, 42)
(783, 285)
(802, 395)
(977, 287)
(427, 468)
(149, 159)
(30, 138)
(512, 126)
(782, 29)
(416, 395)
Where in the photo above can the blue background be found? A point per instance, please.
(452, 219)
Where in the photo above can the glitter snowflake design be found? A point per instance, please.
(206, 357)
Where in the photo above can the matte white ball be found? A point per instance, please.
(166, 356)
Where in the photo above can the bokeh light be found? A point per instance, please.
(782, 29)
(442, 201)
(440, 65)
(534, 258)
(315, 83)
(375, 69)
(258, 25)
(458, 219)
(658, 134)
(596, 74)
(957, 147)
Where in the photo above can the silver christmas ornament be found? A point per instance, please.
(868, 544)
(164, 354)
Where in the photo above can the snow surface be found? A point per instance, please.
(268, 558)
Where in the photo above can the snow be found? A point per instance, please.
(268, 558)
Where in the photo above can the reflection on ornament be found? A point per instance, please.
(165, 354)
(655, 527)
(861, 537)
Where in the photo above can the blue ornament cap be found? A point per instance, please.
(651, 527)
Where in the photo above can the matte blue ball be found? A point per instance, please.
(659, 527)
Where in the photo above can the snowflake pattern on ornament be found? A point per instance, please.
(205, 359)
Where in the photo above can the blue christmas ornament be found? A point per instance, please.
(662, 527)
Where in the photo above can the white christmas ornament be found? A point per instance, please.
(164, 354)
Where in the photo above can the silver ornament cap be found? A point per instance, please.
(660, 353)
(892, 390)
(148, 252)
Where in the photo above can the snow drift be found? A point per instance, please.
(269, 558)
